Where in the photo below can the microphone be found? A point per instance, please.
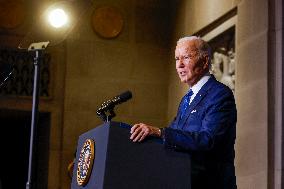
(109, 104)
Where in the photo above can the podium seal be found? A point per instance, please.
(85, 162)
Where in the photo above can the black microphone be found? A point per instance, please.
(109, 104)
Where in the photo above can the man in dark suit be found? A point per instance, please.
(205, 124)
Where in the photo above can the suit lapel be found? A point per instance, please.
(178, 117)
(199, 96)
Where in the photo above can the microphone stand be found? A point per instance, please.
(106, 110)
(37, 48)
(106, 115)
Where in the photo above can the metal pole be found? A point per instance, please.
(34, 114)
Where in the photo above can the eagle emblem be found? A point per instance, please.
(85, 162)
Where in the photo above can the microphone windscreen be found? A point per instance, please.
(125, 96)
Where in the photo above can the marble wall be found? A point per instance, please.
(252, 49)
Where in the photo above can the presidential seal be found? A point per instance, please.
(85, 162)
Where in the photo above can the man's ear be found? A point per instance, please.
(206, 62)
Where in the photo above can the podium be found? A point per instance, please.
(121, 164)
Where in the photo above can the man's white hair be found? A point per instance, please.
(188, 38)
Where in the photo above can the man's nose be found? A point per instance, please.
(180, 63)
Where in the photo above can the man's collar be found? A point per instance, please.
(195, 88)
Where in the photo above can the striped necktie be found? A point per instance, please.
(185, 102)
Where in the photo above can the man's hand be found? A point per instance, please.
(140, 131)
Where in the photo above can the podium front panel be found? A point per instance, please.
(122, 164)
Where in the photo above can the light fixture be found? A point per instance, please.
(57, 18)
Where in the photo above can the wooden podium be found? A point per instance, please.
(121, 164)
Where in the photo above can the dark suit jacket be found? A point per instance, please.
(208, 132)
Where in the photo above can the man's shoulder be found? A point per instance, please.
(214, 84)
(216, 88)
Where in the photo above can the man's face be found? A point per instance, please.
(189, 65)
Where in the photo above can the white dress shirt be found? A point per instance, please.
(195, 88)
